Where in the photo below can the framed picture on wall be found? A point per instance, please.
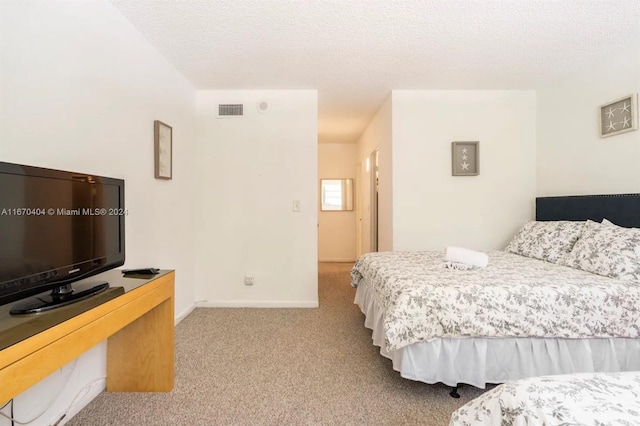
(163, 145)
(619, 116)
(465, 158)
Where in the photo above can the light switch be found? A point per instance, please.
(296, 206)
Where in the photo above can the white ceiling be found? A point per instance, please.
(355, 51)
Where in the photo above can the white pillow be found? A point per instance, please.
(549, 241)
(612, 251)
(607, 223)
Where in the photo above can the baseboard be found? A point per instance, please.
(337, 260)
(184, 314)
(258, 304)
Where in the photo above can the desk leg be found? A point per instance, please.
(140, 356)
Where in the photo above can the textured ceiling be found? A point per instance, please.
(355, 51)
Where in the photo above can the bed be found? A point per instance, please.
(575, 399)
(522, 316)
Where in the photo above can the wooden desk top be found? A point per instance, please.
(15, 328)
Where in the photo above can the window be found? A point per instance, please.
(336, 194)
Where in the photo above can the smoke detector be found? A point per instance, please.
(263, 106)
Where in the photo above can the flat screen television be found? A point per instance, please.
(56, 228)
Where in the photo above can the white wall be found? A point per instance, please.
(572, 158)
(337, 229)
(251, 170)
(433, 209)
(79, 90)
(377, 135)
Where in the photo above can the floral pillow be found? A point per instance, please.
(611, 251)
(548, 241)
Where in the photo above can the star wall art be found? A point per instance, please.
(465, 158)
(619, 116)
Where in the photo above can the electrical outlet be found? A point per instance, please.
(295, 206)
(248, 279)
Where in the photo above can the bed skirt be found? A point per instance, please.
(477, 361)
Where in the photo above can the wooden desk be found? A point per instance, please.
(139, 325)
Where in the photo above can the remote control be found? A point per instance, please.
(141, 271)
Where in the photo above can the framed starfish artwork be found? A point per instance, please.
(619, 116)
(465, 158)
(163, 146)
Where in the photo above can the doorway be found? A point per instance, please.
(337, 204)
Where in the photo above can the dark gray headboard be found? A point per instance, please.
(621, 209)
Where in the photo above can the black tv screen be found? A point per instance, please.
(56, 227)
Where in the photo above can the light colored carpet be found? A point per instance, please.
(281, 366)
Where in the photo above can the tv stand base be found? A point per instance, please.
(138, 324)
(56, 299)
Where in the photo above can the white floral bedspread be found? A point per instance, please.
(514, 296)
(598, 399)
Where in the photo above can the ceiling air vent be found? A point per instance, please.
(230, 110)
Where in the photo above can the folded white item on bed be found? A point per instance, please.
(466, 256)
